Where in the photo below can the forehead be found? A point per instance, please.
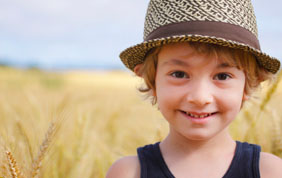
(187, 51)
(173, 50)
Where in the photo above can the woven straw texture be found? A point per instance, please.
(236, 12)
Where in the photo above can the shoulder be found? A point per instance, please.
(126, 167)
(270, 165)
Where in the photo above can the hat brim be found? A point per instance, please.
(136, 54)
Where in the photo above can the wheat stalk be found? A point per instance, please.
(263, 105)
(14, 170)
(270, 92)
(277, 141)
(26, 139)
(159, 136)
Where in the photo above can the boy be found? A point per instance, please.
(200, 61)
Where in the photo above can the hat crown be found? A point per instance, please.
(165, 12)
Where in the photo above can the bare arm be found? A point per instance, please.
(270, 166)
(127, 167)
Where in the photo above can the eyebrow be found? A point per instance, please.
(176, 62)
(224, 65)
(185, 64)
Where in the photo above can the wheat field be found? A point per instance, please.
(76, 124)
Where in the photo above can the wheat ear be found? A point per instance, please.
(14, 170)
(4, 169)
(42, 151)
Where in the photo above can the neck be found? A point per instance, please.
(182, 145)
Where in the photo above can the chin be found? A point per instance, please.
(204, 135)
(198, 137)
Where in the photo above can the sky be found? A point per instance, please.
(91, 33)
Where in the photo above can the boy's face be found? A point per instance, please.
(199, 95)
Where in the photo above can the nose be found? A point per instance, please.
(199, 93)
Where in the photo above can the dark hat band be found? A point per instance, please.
(214, 29)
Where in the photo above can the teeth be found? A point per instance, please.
(198, 116)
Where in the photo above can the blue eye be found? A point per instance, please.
(179, 74)
(222, 76)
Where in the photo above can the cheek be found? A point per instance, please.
(167, 97)
(231, 101)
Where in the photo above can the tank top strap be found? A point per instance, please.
(245, 163)
(152, 163)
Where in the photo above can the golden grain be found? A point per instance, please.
(37, 163)
(14, 170)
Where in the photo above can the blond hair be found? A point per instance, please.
(243, 60)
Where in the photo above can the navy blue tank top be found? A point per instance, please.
(245, 163)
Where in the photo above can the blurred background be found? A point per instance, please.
(68, 106)
(87, 34)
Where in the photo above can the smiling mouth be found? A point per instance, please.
(198, 115)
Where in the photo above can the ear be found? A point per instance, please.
(137, 69)
(245, 97)
(154, 94)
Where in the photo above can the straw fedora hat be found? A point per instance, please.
(229, 23)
